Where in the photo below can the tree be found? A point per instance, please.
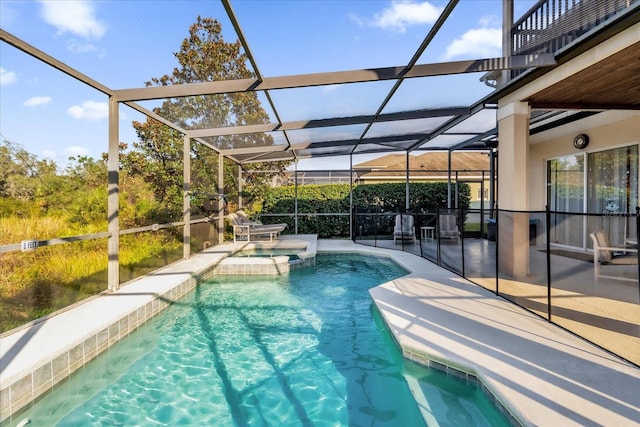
(21, 171)
(204, 56)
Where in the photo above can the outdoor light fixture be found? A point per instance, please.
(581, 141)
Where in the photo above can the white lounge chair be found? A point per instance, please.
(404, 229)
(604, 253)
(248, 232)
(244, 219)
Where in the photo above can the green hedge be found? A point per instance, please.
(334, 198)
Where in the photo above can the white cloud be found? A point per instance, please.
(90, 110)
(76, 46)
(403, 14)
(477, 43)
(75, 17)
(490, 21)
(76, 150)
(7, 77)
(37, 100)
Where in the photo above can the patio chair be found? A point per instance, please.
(404, 229)
(244, 219)
(605, 254)
(447, 227)
(248, 232)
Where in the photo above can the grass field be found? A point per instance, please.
(34, 284)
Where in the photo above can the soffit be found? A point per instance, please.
(613, 83)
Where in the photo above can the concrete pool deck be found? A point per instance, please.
(542, 373)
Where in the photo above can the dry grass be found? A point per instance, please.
(36, 283)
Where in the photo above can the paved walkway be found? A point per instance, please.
(545, 375)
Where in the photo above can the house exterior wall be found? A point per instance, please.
(607, 130)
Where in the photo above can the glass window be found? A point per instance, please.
(565, 176)
(607, 185)
(613, 180)
(612, 189)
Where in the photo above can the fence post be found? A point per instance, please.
(548, 251)
(438, 259)
(461, 230)
(497, 257)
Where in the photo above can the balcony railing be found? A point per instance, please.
(552, 24)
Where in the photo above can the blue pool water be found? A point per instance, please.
(305, 349)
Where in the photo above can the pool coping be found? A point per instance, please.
(417, 308)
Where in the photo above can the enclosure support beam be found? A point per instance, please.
(507, 25)
(492, 182)
(240, 207)
(456, 194)
(186, 202)
(351, 231)
(220, 199)
(406, 185)
(113, 196)
(449, 179)
(295, 187)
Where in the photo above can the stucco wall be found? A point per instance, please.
(605, 130)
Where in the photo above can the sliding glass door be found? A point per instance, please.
(612, 189)
(566, 193)
(602, 182)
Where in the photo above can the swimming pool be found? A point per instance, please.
(302, 349)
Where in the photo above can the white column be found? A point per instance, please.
(513, 188)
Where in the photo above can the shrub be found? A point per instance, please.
(334, 198)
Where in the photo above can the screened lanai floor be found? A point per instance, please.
(603, 311)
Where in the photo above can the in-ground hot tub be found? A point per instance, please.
(270, 258)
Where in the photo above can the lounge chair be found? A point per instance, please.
(244, 219)
(605, 254)
(447, 227)
(404, 229)
(253, 231)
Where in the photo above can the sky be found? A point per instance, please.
(123, 44)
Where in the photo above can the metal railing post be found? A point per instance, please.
(497, 257)
(548, 250)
